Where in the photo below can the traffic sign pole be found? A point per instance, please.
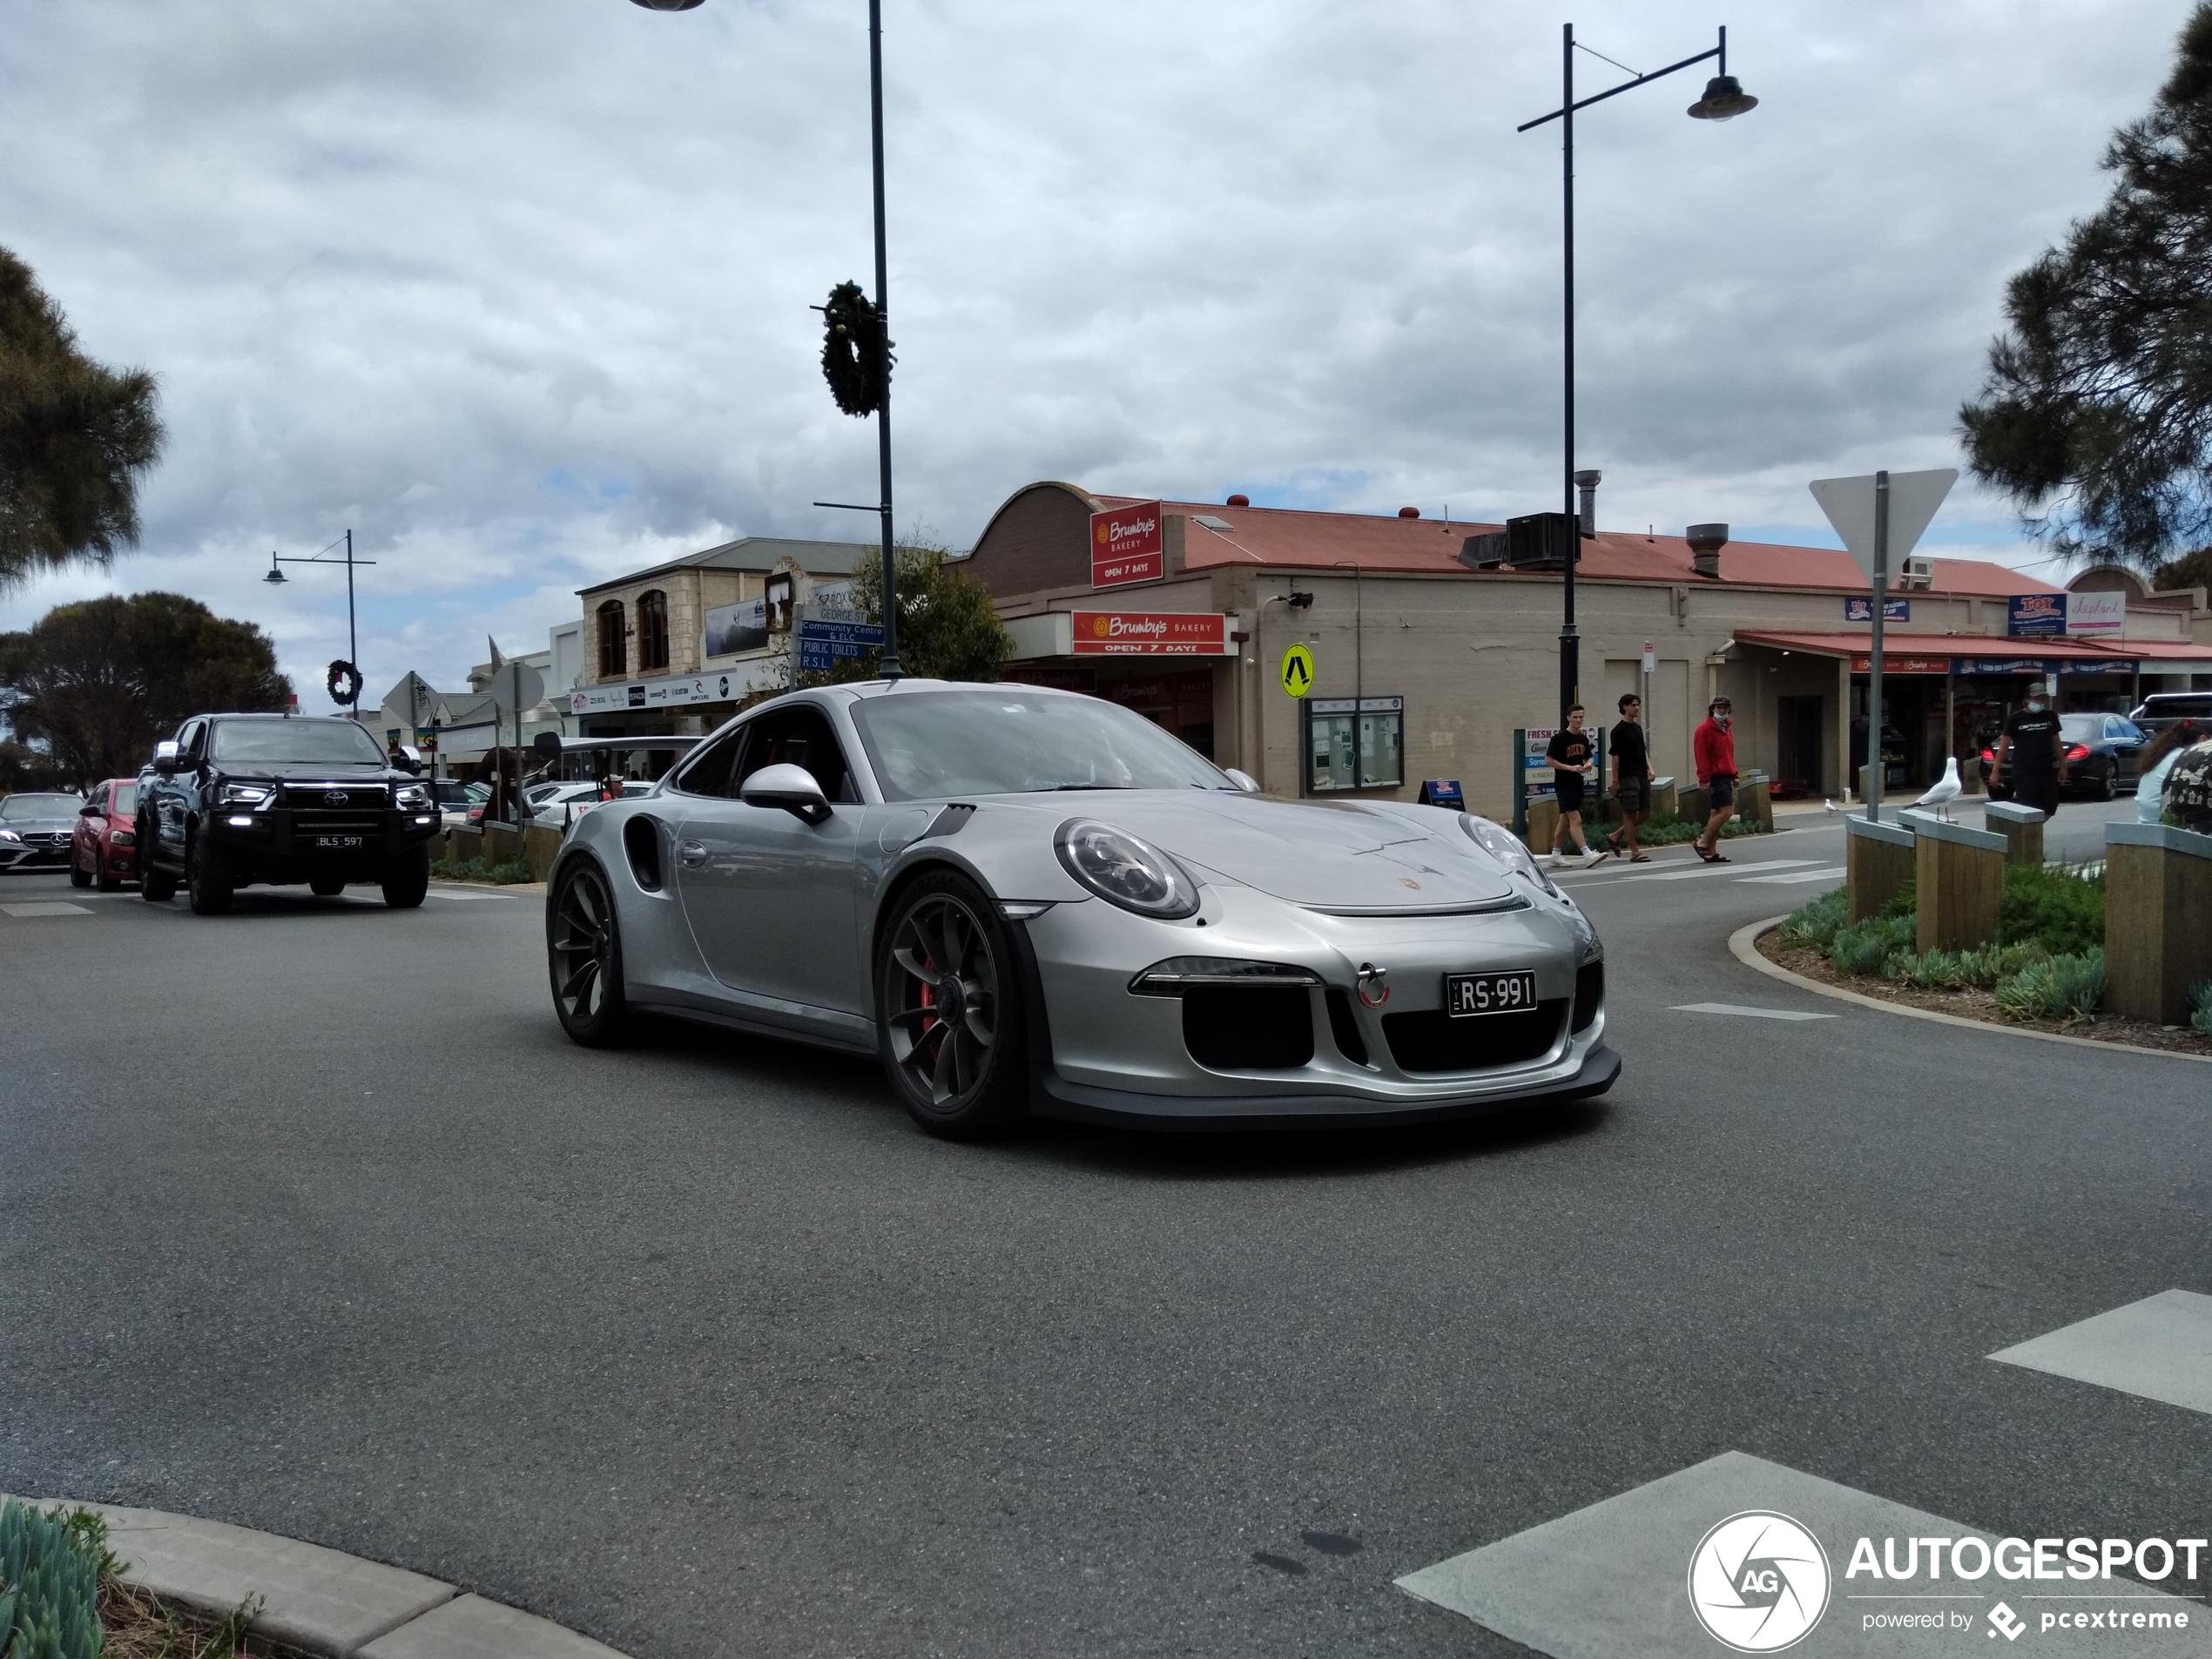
(1874, 778)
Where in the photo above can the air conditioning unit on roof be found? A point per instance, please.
(1919, 572)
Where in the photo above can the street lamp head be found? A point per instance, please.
(275, 573)
(1724, 99)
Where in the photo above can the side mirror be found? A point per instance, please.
(406, 762)
(791, 787)
(1244, 780)
(88, 810)
(165, 758)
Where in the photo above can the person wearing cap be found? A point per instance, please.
(1714, 750)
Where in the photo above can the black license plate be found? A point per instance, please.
(338, 843)
(1465, 995)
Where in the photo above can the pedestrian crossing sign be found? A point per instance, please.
(1298, 670)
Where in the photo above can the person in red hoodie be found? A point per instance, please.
(1715, 752)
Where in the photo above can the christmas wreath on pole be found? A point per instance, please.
(853, 350)
(343, 682)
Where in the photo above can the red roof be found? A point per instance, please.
(1295, 539)
(1896, 642)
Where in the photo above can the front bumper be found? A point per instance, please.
(283, 846)
(1106, 1053)
(32, 855)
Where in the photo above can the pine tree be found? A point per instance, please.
(2096, 415)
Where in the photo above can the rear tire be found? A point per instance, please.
(79, 875)
(962, 1075)
(2105, 791)
(207, 882)
(583, 957)
(406, 882)
(156, 885)
(326, 887)
(106, 879)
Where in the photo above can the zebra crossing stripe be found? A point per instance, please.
(2159, 1348)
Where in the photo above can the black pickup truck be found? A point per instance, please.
(280, 799)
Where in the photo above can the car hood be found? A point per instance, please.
(1333, 856)
(314, 771)
(38, 825)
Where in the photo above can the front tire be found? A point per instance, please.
(949, 1024)
(79, 875)
(583, 957)
(156, 885)
(2105, 790)
(104, 875)
(406, 882)
(207, 882)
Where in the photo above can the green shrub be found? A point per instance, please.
(1667, 829)
(2201, 1005)
(1905, 901)
(2066, 986)
(1935, 970)
(1866, 948)
(1815, 924)
(2053, 906)
(506, 873)
(49, 1584)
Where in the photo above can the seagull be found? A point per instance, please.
(1946, 790)
(1830, 806)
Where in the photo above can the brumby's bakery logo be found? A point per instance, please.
(1106, 625)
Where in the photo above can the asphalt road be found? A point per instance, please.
(311, 1220)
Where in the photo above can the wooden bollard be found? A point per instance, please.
(1878, 860)
(1958, 883)
(2158, 920)
(2022, 828)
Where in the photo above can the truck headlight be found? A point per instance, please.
(411, 798)
(243, 795)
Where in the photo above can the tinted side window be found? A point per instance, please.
(800, 736)
(191, 742)
(713, 769)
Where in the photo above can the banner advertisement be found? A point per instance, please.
(2096, 616)
(1536, 782)
(2032, 616)
(1150, 633)
(1861, 609)
(1126, 545)
(734, 628)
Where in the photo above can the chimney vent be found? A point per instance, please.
(1240, 501)
(1705, 543)
(1409, 512)
(1585, 485)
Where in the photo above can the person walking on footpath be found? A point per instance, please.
(1713, 749)
(1631, 778)
(1569, 753)
(2036, 742)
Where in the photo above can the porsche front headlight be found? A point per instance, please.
(1123, 870)
(1504, 846)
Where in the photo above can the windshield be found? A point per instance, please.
(1009, 740)
(39, 807)
(305, 742)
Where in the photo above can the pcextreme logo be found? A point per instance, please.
(1758, 1581)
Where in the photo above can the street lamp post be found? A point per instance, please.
(889, 667)
(352, 640)
(1724, 99)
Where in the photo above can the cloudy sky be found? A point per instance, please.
(519, 292)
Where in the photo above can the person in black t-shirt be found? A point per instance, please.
(1631, 778)
(2037, 746)
(1569, 753)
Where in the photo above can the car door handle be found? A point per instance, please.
(693, 854)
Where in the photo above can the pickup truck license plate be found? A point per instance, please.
(338, 843)
(1471, 994)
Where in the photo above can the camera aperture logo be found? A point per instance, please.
(1758, 1581)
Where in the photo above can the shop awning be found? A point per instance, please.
(1911, 653)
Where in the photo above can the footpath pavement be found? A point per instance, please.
(321, 1601)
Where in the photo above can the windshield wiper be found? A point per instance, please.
(1045, 789)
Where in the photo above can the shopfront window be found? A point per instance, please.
(1354, 743)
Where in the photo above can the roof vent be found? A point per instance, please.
(1240, 501)
(1705, 543)
(1585, 485)
(1409, 512)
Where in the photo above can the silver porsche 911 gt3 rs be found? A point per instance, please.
(1028, 900)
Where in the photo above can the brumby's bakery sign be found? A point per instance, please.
(1148, 633)
(1126, 545)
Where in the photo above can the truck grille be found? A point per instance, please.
(337, 824)
(313, 797)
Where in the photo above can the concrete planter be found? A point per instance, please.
(2158, 920)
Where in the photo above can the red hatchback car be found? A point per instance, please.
(105, 847)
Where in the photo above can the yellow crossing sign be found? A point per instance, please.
(1298, 670)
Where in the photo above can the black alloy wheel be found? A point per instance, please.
(156, 885)
(207, 879)
(949, 1020)
(583, 957)
(2107, 778)
(79, 875)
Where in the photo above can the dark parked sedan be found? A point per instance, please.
(35, 830)
(2101, 751)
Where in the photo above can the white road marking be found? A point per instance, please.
(1730, 868)
(2159, 1348)
(1536, 1586)
(1828, 872)
(27, 911)
(1748, 1012)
